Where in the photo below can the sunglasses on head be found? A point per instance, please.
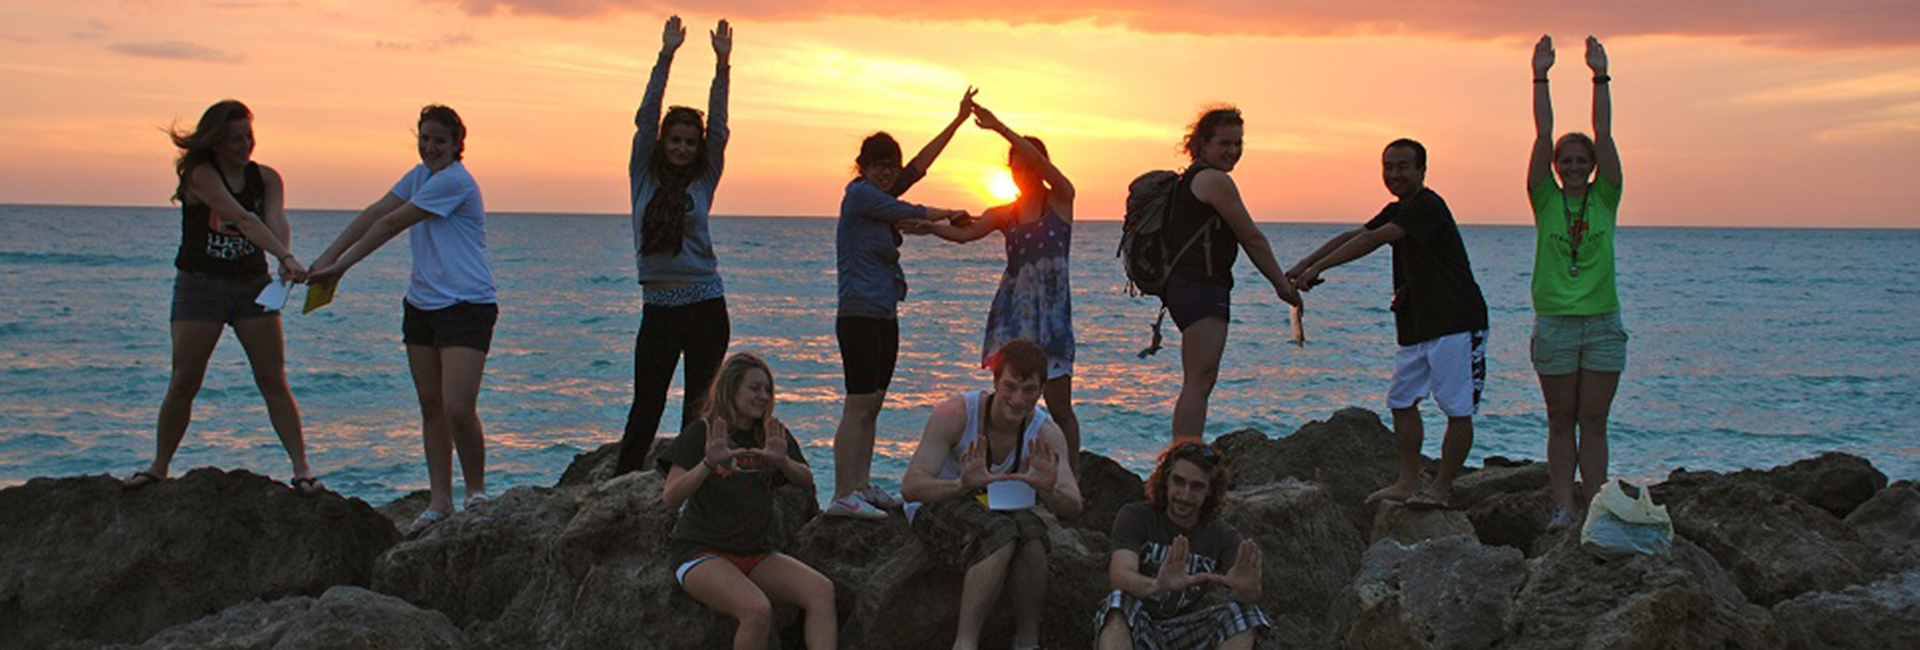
(1195, 450)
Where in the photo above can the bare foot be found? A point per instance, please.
(1428, 499)
(1395, 493)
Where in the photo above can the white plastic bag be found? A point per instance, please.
(1618, 524)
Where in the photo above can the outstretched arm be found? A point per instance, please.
(924, 159)
(1216, 188)
(374, 234)
(1320, 253)
(1540, 163)
(1607, 159)
(646, 121)
(211, 189)
(972, 230)
(1358, 243)
(1059, 188)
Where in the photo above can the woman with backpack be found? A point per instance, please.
(1579, 345)
(1035, 300)
(673, 174)
(1206, 208)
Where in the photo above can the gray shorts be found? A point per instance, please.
(218, 298)
(1564, 345)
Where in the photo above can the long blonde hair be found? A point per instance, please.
(733, 372)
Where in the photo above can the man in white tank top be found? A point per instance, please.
(985, 461)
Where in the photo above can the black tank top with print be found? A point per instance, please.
(1211, 258)
(208, 246)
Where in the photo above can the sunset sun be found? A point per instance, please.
(1000, 186)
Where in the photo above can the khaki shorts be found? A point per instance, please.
(1563, 345)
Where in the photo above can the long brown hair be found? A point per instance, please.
(196, 146)
(664, 223)
(1203, 456)
(733, 373)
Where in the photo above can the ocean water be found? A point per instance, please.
(1751, 348)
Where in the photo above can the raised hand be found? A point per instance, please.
(1244, 577)
(1173, 575)
(966, 103)
(1596, 56)
(722, 39)
(720, 450)
(973, 465)
(1542, 57)
(773, 450)
(673, 35)
(985, 119)
(1043, 465)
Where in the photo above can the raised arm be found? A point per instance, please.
(646, 121)
(1059, 187)
(1216, 188)
(1607, 159)
(717, 97)
(924, 160)
(211, 189)
(1540, 162)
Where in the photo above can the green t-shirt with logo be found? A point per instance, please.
(1567, 282)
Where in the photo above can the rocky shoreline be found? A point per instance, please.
(1822, 552)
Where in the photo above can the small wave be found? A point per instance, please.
(14, 328)
(607, 279)
(35, 442)
(70, 259)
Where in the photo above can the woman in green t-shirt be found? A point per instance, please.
(1579, 345)
(721, 475)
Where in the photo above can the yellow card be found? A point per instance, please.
(318, 295)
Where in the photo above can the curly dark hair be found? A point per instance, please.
(664, 223)
(1210, 122)
(1208, 459)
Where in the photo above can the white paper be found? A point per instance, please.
(1009, 495)
(274, 297)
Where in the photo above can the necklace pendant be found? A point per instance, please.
(1573, 271)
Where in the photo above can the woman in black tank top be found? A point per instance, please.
(1198, 294)
(231, 219)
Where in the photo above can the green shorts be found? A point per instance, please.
(1563, 345)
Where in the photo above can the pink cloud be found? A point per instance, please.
(1793, 23)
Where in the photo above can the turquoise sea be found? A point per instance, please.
(1751, 347)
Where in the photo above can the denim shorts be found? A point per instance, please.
(1563, 345)
(218, 298)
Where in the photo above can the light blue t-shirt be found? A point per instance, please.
(450, 248)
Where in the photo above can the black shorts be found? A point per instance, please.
(461, 324)
(869, 348)
(217, 298)
(1191, 302)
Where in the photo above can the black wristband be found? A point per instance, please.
(1540, 81)
(1600, 79)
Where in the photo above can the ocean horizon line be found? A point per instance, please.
(540, 213)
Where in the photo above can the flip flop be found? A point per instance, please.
(307, 485)
(141, 479)
(1424, 501)
(426, 520)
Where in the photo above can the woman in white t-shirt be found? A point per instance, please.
(450, 306)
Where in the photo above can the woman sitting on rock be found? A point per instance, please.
(721, 475)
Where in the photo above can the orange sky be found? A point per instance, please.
(1767, 112)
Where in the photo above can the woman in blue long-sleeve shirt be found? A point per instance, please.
(674, 170)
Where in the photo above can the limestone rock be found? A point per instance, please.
(1890, 521)
(344, 618)
(1310, 551)
(1516, 519)
(1106, 487)
(1884, 614)
(1498, 476)
(1408, 525)
(85, 560)
(1451, 592)
(1833, 481)
(1350, 454)
(1774, 545)
(1679, 600)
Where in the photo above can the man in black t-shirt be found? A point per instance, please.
(1168, 555)
(1438, 312)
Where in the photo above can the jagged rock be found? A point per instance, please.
(1884, 614)
(404, 510)
(1515, 519)
(85, 560)
(1498, 476)
(1450, 592)
(1351, 454)
(597, 466)
(344, 618)
(1310, 552)
(1680, 600)
(1832, 481)
(1106, 487)
(583, 566)
(1890, 521)
(1409, 525)
(1774, 545)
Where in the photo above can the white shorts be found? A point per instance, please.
(1451, 368)
(1057, 369)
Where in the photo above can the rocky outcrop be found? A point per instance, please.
(1408, 525)
(1680, 600)
(1350, 455)
(1884, 614)
(1106, 487)
(343, 618)
(85, 559)
(1451, 592)
(1890, 522)
(1309, 550)
(1775, 545)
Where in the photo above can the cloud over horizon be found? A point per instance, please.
(175, 50)
(1788, 23)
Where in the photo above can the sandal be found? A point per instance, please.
(141, 479)
(307, 485)
(426, 520)
(1426, 501)
(475, 499)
